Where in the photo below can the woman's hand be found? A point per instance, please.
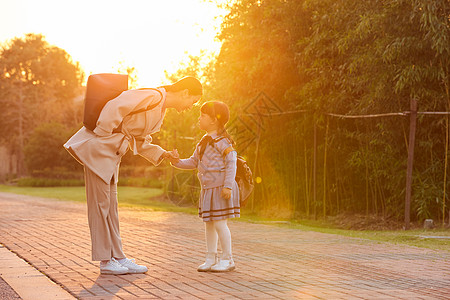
(226, 193)
(172, 156)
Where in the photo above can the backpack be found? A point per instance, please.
(244, 176)
(100, 89)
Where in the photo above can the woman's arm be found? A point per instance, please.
(151, 152)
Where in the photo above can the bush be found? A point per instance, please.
(57, 173)
(44, 149)
(71, 179)
(48, 182)
(144, 170)
(140, 182)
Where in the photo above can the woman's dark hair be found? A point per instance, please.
(219, 111)
(192, 84)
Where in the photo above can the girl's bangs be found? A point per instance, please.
(208, 108)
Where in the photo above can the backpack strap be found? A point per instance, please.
(227, 150)
(150, 107)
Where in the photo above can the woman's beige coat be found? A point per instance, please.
(101, 150)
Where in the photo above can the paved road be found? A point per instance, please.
(272, 262)
(6, 292)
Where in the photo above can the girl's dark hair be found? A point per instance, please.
(220, 111)
(192, 84)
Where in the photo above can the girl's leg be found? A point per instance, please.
(211, 247)
(224, 234)
(211, 237)
(226, 262)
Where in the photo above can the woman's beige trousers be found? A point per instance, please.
(103, 217)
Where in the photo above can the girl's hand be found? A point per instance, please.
(226, 193)
(172, 156)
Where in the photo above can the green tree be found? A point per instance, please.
(43, 149)
(180, 130)
(373, 57)
(347, 57)
(38, 82)
(258, 55)
(258, 50)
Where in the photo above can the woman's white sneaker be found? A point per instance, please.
(113, 267)
(224, 265)
(132, 266)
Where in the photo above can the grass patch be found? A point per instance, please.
(75, 193)
(147, 198)
(406, 237)
(415, 237)
(153, 198)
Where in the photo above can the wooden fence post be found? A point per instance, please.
(315, 167)
(412, 137)
(255, 166)
(324, 200)
(444, 197)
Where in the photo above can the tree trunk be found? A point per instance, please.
(20, 158)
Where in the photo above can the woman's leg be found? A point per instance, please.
(113, 223)
(98, 195)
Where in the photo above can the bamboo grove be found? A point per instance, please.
(346, 57)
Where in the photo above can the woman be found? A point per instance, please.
(101, 150)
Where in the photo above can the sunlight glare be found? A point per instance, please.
(151, 36)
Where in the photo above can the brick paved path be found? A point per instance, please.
(272, 262)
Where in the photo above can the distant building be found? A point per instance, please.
(8, 163)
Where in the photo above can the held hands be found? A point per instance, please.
(172, 156)
(226, 193)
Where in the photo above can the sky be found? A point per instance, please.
(150, 35)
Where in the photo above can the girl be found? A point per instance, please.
(215, 159)
(101, 150)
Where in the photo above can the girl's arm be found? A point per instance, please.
(230, 158)
(230, 169)
(187, 163)
(230, 174)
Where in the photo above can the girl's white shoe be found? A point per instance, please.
(211, 259)
(224, 265)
